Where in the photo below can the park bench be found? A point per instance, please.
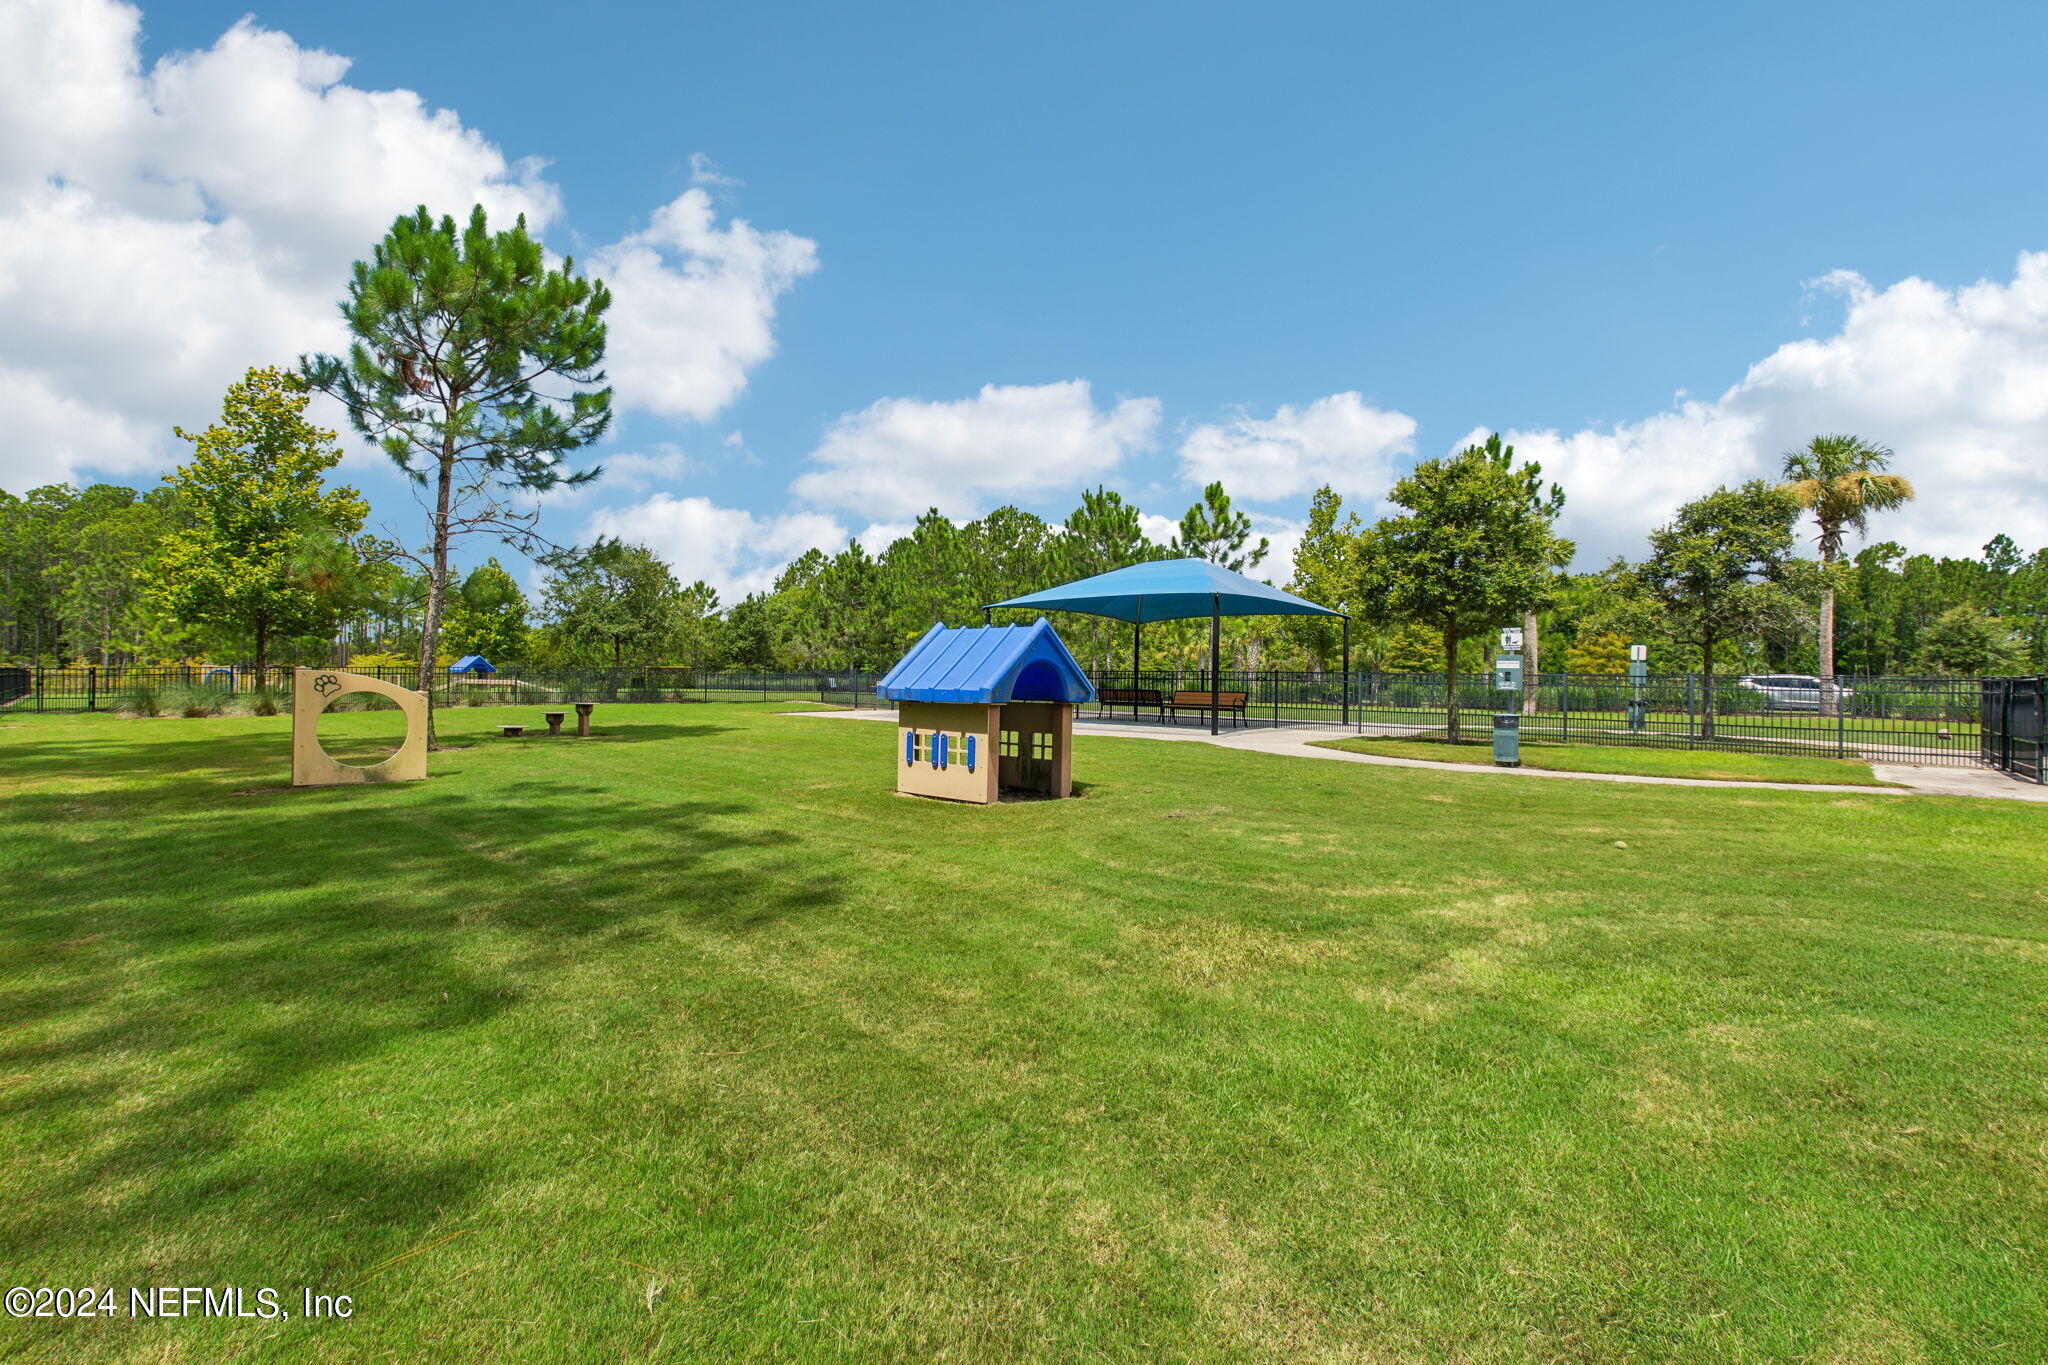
(1230, 703)
(1132, 697)
(511, 731)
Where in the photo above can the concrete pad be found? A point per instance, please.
(1980, 781)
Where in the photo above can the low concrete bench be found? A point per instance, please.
(511, 731)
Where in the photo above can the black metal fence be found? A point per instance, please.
(2010, 723)
(114, 689)
(1889, 719)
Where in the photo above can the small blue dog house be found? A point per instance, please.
(985, 708)
(471, 663)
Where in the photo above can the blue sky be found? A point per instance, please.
(1540, 219)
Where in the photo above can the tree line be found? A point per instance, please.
(476, 365)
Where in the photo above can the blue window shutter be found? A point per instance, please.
(939, 750)
(970, 753)
(909, 747)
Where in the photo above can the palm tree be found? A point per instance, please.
(1841, 480)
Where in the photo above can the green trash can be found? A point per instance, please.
(1507, 740)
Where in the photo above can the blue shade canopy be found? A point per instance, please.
(1170, 590)
(988, 664)
(471, 663)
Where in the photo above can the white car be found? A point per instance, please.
(1790, 691)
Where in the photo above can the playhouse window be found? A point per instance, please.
(917, 750)
(1041, 745)
(1007, 745)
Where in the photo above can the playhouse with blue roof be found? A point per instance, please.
(986, 709)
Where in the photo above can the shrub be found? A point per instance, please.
(363, 701)
(262, 702)
(191, 701)
(139, 699)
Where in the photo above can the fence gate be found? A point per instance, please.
(2011, 726)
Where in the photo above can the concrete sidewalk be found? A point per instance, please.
(1298, 741)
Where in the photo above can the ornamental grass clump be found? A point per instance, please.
(139, 699)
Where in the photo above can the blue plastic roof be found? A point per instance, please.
(1170, 590)
(471, 663)
(990, 664)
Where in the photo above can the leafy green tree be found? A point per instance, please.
(853, 596)
(476, 366)
(929, 578)
(1102, 535)
(1214, 531)
(696, 634)
(612, 599)
(487, 615)
(1720, 569)
(1473, 552)
(256, 499)
(1325, 572)
(106, 536)
(1414, 647)
(1009, 551)
(1606, 652)
(753, 631)
(1841, 480)
(1969, 641)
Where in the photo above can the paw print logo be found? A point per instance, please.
(326, 684)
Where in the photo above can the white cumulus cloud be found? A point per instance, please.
(733, 550)
(694, 311)
(164, 228)
(1954, 380)
(1341, 440)
(900, 456)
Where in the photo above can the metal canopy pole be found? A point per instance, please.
(1215, 658)
(1137, 634)
(1346, 693)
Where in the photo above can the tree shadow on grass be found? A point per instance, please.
(204, 753)
(176, 982)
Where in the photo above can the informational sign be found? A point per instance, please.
(1507, 672)
(1639, 653)
(1511, 639)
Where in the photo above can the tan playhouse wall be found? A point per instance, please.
(953, 782)
(313, 691)
(1055, 775)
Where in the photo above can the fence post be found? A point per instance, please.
(39, 689)
(92, 687)
(1841, 723)
(1564, 708)
(1688, 710)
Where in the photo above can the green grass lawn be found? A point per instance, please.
(693, 1042)
(1641, 762)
